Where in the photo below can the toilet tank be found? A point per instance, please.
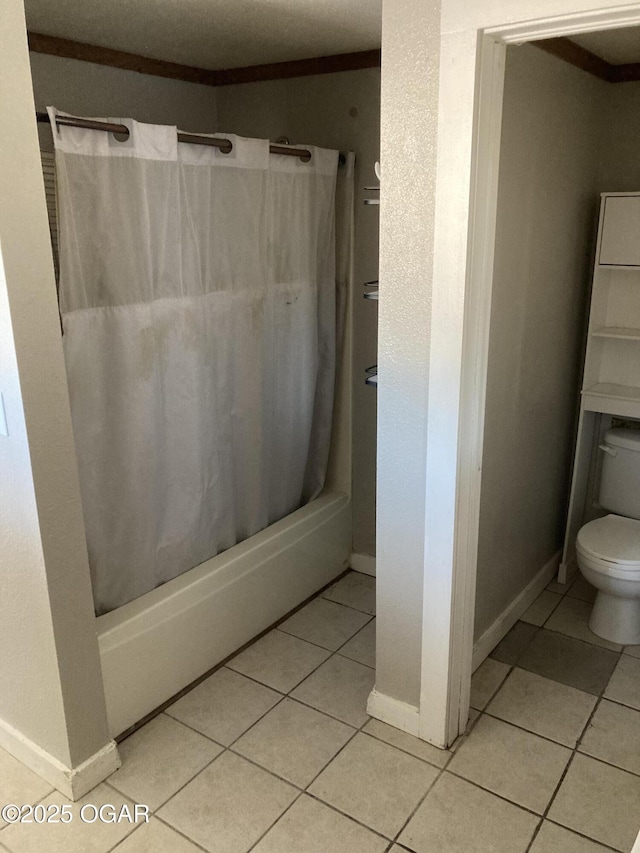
(620, 478)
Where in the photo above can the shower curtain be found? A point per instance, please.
(198, 302)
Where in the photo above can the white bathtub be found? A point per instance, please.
(153, 647)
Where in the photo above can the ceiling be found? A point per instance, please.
(617, 47)
(214, 34)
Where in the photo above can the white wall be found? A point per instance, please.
(52, 709)
(335, 111)
(410, 59)
(620, 162)
(547, 209)
(83, 88)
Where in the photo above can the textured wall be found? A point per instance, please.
(410, 58)
(49, 666)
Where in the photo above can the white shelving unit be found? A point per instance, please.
(611, 380)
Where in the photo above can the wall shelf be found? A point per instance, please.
(613, 391)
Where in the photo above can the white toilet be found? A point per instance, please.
(608, 549)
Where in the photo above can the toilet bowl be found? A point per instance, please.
(608, 555)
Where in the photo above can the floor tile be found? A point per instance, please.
(543, 706)
(279, 660)
(340, 687)
(325, 623)
(294, 741)
(599, 801)
(556, 839)
(634, 651)
(486, 680)
(456, 816)
(311, 827)
(375, 783)
(76, 835)
(542, 608)
(18, 784)
(511, 648)
(562, 588)
(569, 661)
(362, 647)
(156, 837)
(146, 755)
(229, 805)
(515, 764)
(582, 589)
(624, 685)
(355, 590)
(407, 743)
(614, 736)
(473, 715)
(571, 618)
(224, 706)
(559, 588)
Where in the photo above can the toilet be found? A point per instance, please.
(608, 549)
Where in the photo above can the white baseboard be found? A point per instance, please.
(363, 563)
(393, 712)
(72, 782)
(508, 618)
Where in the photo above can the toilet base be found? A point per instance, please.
(616, 619)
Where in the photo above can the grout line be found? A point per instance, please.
(350, 817)
(494, 793)
(277, 820)
(582, 835)
(497, 689)
(582, 640)
(177, 791)
(536, 832)
(563, 776)
(446, 752)
(522, 728)
(342, 645)
(181, 833)
(421, 801)
(39, 800)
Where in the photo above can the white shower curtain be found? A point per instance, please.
(198, 301)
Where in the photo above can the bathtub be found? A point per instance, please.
(153, 647)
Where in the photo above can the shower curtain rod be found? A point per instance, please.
(224, 145)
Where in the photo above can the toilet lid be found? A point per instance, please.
(613, 538)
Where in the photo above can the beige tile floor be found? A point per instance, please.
(274, 752)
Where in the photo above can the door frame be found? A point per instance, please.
(464, 263)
